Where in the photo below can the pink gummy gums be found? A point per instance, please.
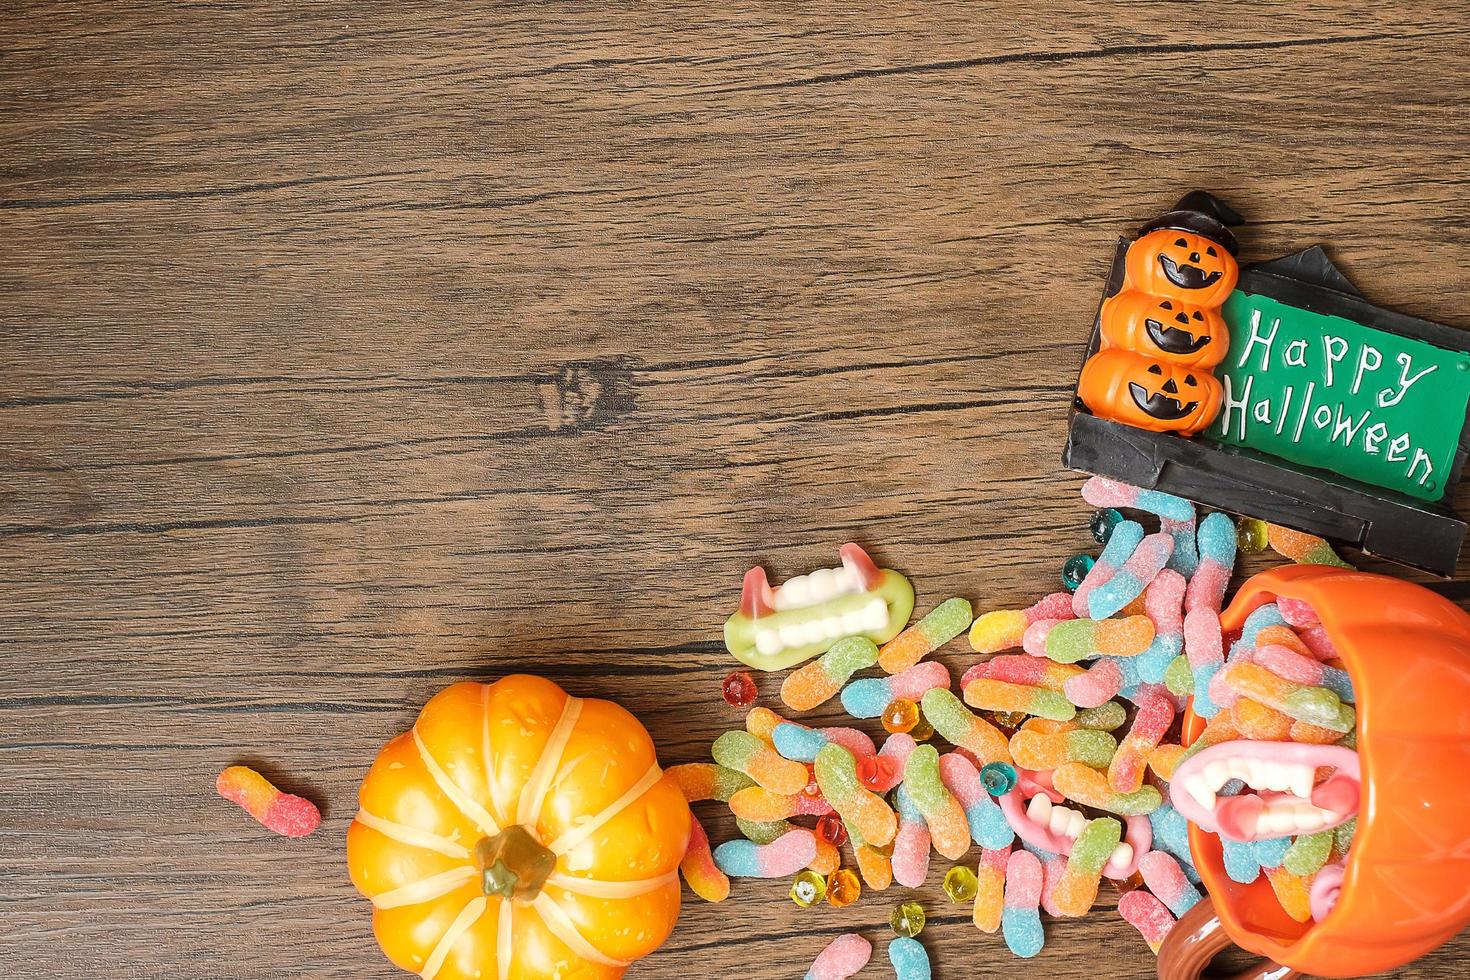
(1024, 880)
(843, 957)
(1102, 681)
(1033, 641)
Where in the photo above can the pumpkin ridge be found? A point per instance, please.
(471, 810)
(504, 940)
(533, 793)
(413, 836)
(473, 909)
(598, 888)
(425, 889)
(576, 835)
(562, 927)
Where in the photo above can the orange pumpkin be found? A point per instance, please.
(1139, 391)
(1165, 329)
(1174, 264)
(518, 833)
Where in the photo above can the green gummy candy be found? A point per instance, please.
(734, 750)
(1178, 678)
(837, 775)
(763, 831)
(1071, 640)
(1137, 803)
(1095, 749)
(848, 656)
(1320, 706)
(1307, 854)
(1342, 834)
(946, 621)
(921, 778)
(1106, 717)
(1093, 847)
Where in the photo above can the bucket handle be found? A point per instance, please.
(1197, 939)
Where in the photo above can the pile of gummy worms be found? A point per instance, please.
(1066, 748)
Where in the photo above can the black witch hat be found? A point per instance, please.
(1202, 213)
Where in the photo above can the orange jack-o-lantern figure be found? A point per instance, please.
(518, 833)
(1405, 887)
(1165, 328)
(1182, 265)
(1139, 391)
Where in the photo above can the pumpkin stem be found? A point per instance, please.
(513, 864)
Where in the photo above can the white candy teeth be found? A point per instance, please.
(1279, 776)
(1240, 768)
(1302, 780)
(1281, 820)
(793, 593)
(1059, 820)
(1198, 787)
(822, 584)
(1307, 817)
(1075, 823)
(768, 642)
(1122, 855)
(1216, 774)
(1263, 825)
(1039, 810)
(877, 614)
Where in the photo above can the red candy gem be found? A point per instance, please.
(738, 690)
(831, 829)
(876, 770)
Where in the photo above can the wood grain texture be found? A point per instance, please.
(352, 350)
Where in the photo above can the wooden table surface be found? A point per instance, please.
(349, 353)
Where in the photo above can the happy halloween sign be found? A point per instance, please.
(1327, 392)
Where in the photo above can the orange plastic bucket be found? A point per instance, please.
(1406, 886)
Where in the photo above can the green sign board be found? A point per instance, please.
(1324, 391)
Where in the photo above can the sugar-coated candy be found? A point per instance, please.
(1204, 648)
(700, 781)
(808, 888)
(1241, 864)
(1185, 557)
(1164, 605)
(1027, 671)
(1148, 915)
(1129, 581)
(900, 716)
(779, 628)
(760, 804)
(1254, 720)
(998, 778)
(867, 813)
(910, 961)
(1297, 612)
(1171, 834)
(831, 829)
(943, 623)
(1216, 537)
(819, 681)
(1037, 751)
(1097, 684)
(762, 722)
(746, 753)
(1165, 878)
(1084, 639)
(1305, 670)
(801, 744)
(1292, 891)
(1150, 724)
(699, 869)
(1165, 758)
(1317, 640)
(875, 865)
(964, 729)
(843, 888)
(1021, 921)
(1342, 835)
(738, 689)
(1260, 618)
(910, 857)
(988, 826)
(907, 919)
(1033, 641)
(1308, 853)
(1302, 548)
(763, 831)
(990, 879)
(1178, 678)
(843, 957)
(1315, 705)
(1100, 491)
(1106, 717)
(1003, 629)
(1075, 569)
(1090, 787)
(1124, 541)
(828, 858)
(1091, 850)
(1250, 535)
(869, 697)
(1102, 522)
(281, 813)
(884, 771)
(994, 695)
(784, 856)
(948, 827)
(1053, 868)
(960, 884)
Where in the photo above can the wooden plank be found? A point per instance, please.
(352, 352)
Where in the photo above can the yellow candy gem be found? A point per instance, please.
(907, 919)
(808, 888)
(900, 716)
(843, 888)
(960, 884)
(1250, 535)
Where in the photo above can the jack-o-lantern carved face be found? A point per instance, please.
(1139, 391)
(1182, 265)
(1165, 329)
